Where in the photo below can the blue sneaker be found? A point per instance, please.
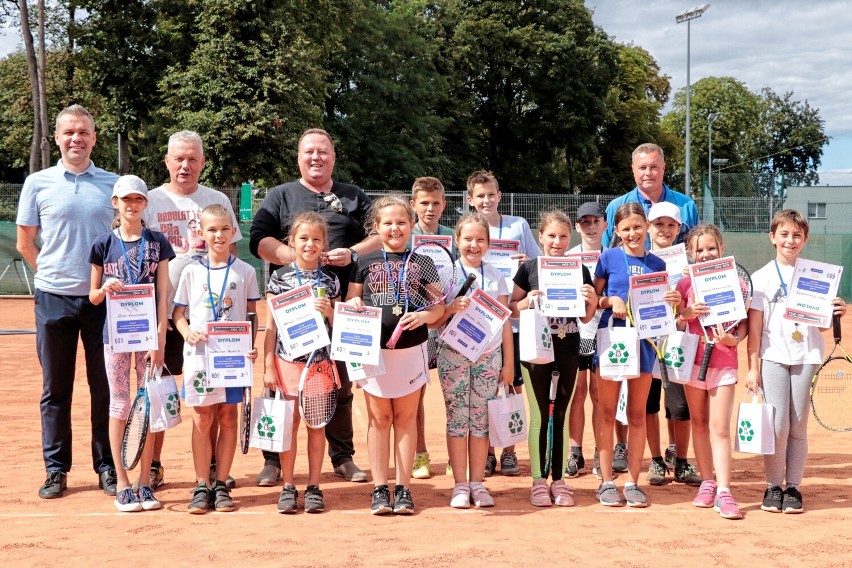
(127, 502)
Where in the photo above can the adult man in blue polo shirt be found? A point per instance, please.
(62, 210)
(649, 167)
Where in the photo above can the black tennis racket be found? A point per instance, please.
(657, 343)
(718, 331)
(548, 455)
(245, 407)
(136, 429)
(831, 388)
(428, 276)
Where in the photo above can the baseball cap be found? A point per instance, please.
(664, 209)
(129, 184)
(592, 208)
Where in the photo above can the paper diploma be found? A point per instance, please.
(132, 319)
(676, 261)
(499, 255)
(813, 288)
(356, 334)
(472, 329)
(588, 258)
(716, 283)
(300, 326)
(653, 315)
(440, 259)
(228, 342)
(560, 279)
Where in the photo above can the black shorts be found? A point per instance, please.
(676, 406)
(652, 405)
(174, 351)
(587, 362)
(519, 379)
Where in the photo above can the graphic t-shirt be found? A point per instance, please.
(616, 267)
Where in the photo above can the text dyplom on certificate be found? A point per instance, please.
(472, 330)
(300, 326)
(356, 333)
(588, 258)
(653, 315)
(437, 255)
(560, 279)
(132, 319)
(499, 255)
(228, 343)
(813, 288)
(676, 261)
(716, 283)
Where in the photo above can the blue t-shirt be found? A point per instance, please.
(616, 267)
(108, 254)
(688, 212)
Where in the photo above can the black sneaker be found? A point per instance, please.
(200, 500)
(402, 502)
(792, 501)
(381, 504)
(54, 486)
(490, 465)
(313, 500)
(772, 498)
(107, 481)
(222, 501)
(576, 462)
(288, 500)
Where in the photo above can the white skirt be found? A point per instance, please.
(406, 370)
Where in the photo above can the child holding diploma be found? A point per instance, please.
(468, 386)
(130, 254)
(308, 240)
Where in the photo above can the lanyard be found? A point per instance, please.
(627, 264)
(299, 274)
(481, 272)
(133, 279)
(500, 233)
(214, 303)
(394, 291)
(783, 284)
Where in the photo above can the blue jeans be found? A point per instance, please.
(60, 320)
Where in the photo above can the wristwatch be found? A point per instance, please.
(354, 254)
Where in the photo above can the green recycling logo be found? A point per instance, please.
(173, 404)
(618, 354)
(200, 383)
(546, 339)
(265, 428)
(745, 431)
(674, 357)
(516, 423)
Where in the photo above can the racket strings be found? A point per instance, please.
(428, 280)
(319, 394)
(832, 394)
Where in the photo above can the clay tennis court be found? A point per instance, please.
(83, 528)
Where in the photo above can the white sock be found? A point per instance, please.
(723, 490)
(629, 484)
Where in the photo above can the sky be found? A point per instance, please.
(785, 45)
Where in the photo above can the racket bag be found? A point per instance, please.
(198, 391)
(618, 352)
(755, 432)
(271, 423)
(165, 402)
(681, 349)
(621, 406)
(507, 420)
(536, 343)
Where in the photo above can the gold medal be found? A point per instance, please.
(561, 334)
(397, 310)
(797, 335)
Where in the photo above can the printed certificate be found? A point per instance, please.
(499, 255)
(441, 260)
(361, 371)
(472, 329)
(814, 286)
(300, 326)
(356, 333)
(228, 343)
(560, 279)
(132, 319)
(653, 316)
(588, 258)
(676, 261)
(716, 283)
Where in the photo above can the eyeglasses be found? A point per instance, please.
(333, 202)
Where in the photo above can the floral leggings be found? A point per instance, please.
(118, 375)
(467, 389)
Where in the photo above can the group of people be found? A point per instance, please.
(181, 238)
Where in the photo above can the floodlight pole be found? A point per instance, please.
(687, 16)
(711, 118)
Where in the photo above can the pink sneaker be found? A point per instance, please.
(539, 495)
(562, 495)
(706, 494)
(727, 507)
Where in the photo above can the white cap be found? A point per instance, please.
(664, 209)
(129, 184)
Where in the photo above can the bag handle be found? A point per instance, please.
(756, 396)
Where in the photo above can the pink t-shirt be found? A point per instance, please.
(723, 357)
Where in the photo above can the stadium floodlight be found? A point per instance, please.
(687, 16)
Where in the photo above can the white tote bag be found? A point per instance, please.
(621, 407)
(507, 420)
(755, 426)
(618, 352)
(165, 402)
(272, 423)
(197, 389)
(681, 348)
(536, 343)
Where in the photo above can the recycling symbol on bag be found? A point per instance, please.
(618, 354)
(265, 428)
(745, 431)
(674, 357)
(546, 339)
(516, 423)
(173, 404)
(200, 383)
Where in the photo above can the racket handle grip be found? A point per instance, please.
(835, 325)
(397, 332)
(321, 291)
(705, 361)
(471, 278)
(664, 371)
(252, 318)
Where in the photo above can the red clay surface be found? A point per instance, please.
(83, 528)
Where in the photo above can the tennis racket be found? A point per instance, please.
(136, 429)
(710, 344)
(428, 276)
(548, 455)
(245, 407)
(831, 388)
(318, 388)
(658, 344)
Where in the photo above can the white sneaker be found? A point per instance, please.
(480, 495)
(127, 502)
(461, 496)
